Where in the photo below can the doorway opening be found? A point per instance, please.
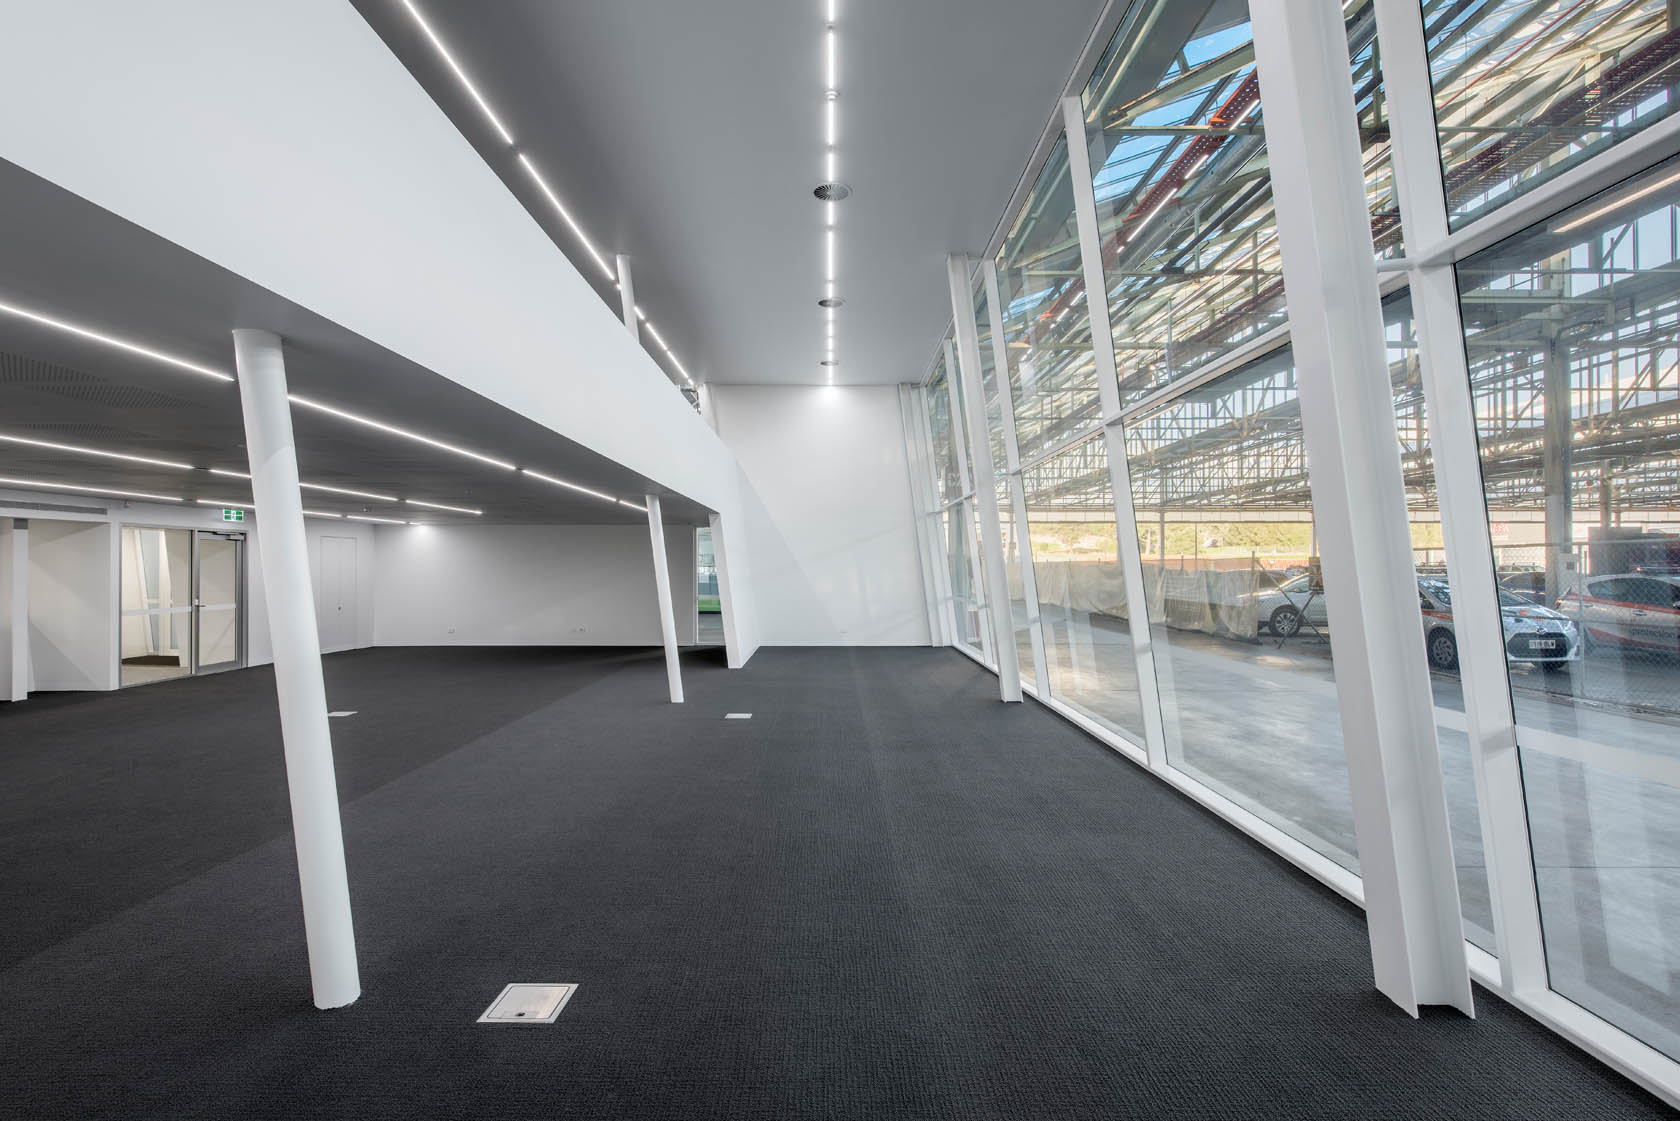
(181, 603)
(707, 603)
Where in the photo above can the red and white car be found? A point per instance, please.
(1633, 610)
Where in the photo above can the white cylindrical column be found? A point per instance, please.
(297, 668)
(662, 582)
(627, 298)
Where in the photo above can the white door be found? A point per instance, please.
(335, 594)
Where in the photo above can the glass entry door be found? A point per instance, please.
(182, 607)
(218, 608)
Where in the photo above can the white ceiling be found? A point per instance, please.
(687, 133)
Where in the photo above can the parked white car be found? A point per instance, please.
(1632, 610)
(1533, 634)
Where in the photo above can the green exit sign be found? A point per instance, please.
(232, 515)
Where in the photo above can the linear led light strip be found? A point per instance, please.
(313, 486)
(294, 398)
(103, 454)
(831, 131)
(530, 169)
(44, 484)
(132, 348)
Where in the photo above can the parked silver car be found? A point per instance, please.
(1631, 610)
(1533, 634)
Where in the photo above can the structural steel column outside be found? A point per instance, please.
(1359, 502)
(627, 297)
(1444, 372)
(985, 483)
(17, 687)
(662, 584)
(284, 549)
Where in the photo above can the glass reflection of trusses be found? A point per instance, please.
(1605, 313)
(1184, 192)
(1525, 88)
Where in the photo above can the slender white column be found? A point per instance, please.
(919, 507)
(662, 583)
(297, 668)
(1359, 503)
(17, 687)
(627, 298)
(985, 482)
(1119, 469)
(1017, 484)
(1445, 375)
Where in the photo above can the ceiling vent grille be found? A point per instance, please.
(833, 192)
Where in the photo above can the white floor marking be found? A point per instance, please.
(737, 716)
(345, 712)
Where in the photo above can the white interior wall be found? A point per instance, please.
(829, 518)
(528, 585)
(72, 605)
(85, 583)
(369, 165)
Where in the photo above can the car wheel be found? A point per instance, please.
(1443, 649)
(1285, 621)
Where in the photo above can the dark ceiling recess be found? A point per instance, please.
(833, 192)
(831, 301)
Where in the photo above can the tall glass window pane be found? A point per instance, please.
(939, 426)
(964, 605)
(1081, 593)
(1014, 550)
(1184, 202)
(989, 374)
(1236, 607)
(1572, 330)
(1047, 325)
(1526, 89)
(1174, 122)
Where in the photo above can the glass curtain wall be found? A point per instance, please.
(1572, 341)
(1572, 331)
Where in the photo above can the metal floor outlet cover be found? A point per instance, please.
(737, 716)
(528, 1004)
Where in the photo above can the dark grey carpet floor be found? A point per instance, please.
(886, 896)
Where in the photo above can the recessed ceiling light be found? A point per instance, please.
(44, 484)
(79, 450)
(381, 521)
(224, 502)
(321, 514)
(832, 192)
(110, 340)
(441, 506)
(395, 431)
(568, 486)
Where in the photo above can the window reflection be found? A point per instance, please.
(1525, 90)
(1081, 589)
(1572, 331)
